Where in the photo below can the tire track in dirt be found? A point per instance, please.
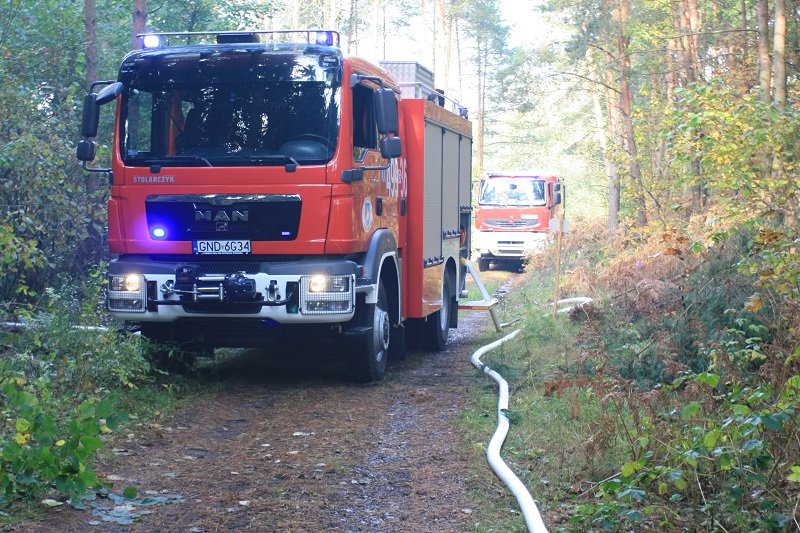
(278, 452)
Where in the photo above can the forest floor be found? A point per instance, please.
(287, 444)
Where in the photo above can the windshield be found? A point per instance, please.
(512, 191)
(232, 106)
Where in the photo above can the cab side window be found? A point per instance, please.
(365, 131)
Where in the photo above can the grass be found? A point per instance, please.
(492, 280)
(560, 434)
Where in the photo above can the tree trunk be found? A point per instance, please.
(603, 135)
(481, 114)
(90, 32)
(693, 16)
(763, 52)
(441, 29)
(779, 56)
(139, 22)
(606, 133)
(621, 16)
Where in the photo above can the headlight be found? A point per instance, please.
(327, 294)
(329, 284)
(127, 293)
(133, 283)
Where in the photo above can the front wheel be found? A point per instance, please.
(371, 350)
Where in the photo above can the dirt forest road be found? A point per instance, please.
(294, 447)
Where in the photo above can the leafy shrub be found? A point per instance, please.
(725, 460)
(47, 447)
(55, 399)
(66, 345)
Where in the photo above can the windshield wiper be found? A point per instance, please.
(290, 162)
(171, 160)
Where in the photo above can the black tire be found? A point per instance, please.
(370, 352)
(483, 264)
(436, 328)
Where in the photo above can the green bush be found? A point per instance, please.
(58, 377)
(726, 463)
(46, 447)
(64, 344)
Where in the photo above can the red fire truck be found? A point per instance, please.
(513, 214)
(264, 185)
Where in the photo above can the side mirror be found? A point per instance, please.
(386, 112)
(86, 150)
(391, 147)
(109, 93)
(91, 107)
(91, 116)
(90, 121)
(559, 192)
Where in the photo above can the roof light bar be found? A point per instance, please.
(316, 36)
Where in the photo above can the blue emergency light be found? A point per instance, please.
(324, 38)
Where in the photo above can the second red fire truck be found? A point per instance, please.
(513, 215)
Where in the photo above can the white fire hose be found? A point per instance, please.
(529, 509)
(25, 325)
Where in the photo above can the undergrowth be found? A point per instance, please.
(60, 390)
(670, 403)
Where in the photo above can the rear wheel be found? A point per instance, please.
(371, 351)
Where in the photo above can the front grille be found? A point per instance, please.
(226, 268)
(270, 217)
(505, 223)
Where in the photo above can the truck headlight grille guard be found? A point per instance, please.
(127, 293)
(324, 294)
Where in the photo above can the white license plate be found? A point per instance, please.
(221, 247)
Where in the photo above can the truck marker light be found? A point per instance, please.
(158, 232)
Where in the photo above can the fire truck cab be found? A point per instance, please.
(263, 183)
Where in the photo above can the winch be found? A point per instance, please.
(228, 288)
(236, 288)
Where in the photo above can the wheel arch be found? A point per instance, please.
(381, 265)
(390, 277)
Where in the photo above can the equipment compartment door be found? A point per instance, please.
(432, 240)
